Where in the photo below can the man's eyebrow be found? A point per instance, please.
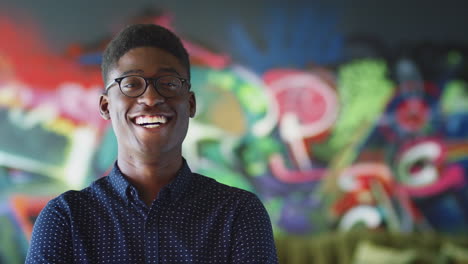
(169, 69)
(139, 71)
(132, 71)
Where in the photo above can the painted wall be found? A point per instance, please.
(331, 131)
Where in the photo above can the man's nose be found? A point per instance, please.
(151, 96)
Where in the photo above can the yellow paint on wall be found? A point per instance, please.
(61, 126)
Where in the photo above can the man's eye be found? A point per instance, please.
(129, 85)
(169, 85)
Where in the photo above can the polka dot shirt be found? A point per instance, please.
(193, 220)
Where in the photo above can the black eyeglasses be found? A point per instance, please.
(135, 85)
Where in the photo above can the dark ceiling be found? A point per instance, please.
(394, 21)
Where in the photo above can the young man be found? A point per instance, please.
(151, 208)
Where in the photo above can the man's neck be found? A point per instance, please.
(149, 176)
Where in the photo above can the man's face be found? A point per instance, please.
(130, 116)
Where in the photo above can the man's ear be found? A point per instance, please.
(192, 104)
(104, 107)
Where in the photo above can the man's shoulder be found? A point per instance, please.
(79, 196)
(214, 188)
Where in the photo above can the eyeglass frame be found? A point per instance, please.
(147, 81)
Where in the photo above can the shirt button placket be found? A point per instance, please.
(151, 234)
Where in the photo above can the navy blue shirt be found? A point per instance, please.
(193, 220)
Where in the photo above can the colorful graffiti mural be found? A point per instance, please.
(329, 144)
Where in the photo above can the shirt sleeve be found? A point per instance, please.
(51, 237)
(253, 235)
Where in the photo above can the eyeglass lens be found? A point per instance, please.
(134, 86)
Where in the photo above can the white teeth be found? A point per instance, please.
(150, 121)
(151, 126)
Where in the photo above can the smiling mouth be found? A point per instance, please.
(150, 121)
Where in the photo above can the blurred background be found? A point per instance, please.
(349, 119)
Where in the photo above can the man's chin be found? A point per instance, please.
(158, 148)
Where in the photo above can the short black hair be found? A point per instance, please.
(143, 35)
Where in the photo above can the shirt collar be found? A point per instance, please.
(119, 182)
(181, 182)
(176, 188)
